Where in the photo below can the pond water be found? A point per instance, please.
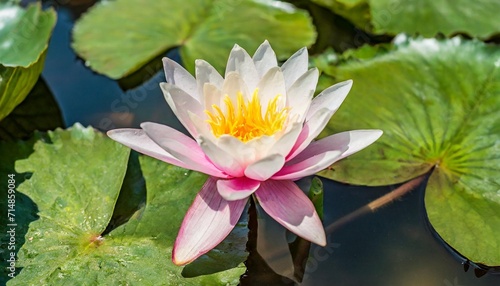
(393, 246)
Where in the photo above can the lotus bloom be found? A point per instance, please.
(252, 132)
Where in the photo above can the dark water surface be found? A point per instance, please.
(393, 246)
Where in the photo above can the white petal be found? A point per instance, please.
(242, 152)
(202, 127)
(233, 83)
(221, 159)
(264, 58)
(330, 98)
(295, 66)
(181, 104)
(177, 75)
(285, 143)
(265, 168)
(239, 61)
(300, 94)
(212, 95)
(270, 86)
(205, 73)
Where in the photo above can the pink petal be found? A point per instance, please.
(177, 75)
(221, 159)
(330, 98)
(237, 188)
(208, 221)
(138, 140)
(336, 142)
(322, 153)
(181, 104)
(349, 142)
(310, 130)
(295, 67)
(182, 147)
(239, 61)
(264, 58)
(308, 167)
(289, 206)
(263, 169)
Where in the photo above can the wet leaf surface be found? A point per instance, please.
(204, 29)
(437, 102)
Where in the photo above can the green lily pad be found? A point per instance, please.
(437, 102)
(24, 36)
(117, 37)
(77, 177)
(426, 17)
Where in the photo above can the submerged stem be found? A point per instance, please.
(380, 202)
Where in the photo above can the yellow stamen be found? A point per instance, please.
(245, 120)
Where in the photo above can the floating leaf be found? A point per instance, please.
(77, 175)
(425, 17)
(139, 30)
(437, 102)
(24, 35)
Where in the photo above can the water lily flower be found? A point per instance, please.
(252, 132)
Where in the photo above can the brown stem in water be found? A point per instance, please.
(374, 205)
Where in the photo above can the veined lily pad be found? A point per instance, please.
(24, 35)
(437, 102)
(425, 17)
(117, 37)
(77, 176)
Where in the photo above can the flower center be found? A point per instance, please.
(245, 120)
